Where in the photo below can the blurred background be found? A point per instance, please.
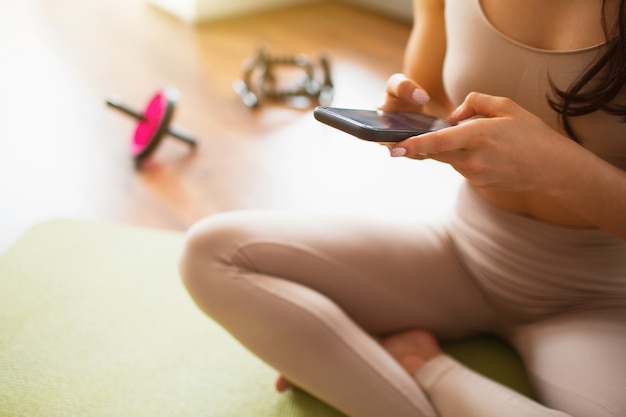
(65, 154)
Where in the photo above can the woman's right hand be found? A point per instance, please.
(404, 95)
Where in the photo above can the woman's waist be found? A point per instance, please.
(515, 229)
(536, 206)
(528, 262)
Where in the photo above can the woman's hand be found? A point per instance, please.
(503, 146)
(403, 95)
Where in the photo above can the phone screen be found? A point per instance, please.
(378, 126)
(393, 121)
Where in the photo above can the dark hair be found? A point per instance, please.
(597, 88)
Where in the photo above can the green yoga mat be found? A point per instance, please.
(95, 322)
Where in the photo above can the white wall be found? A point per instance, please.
(209, 9)
(198, 10)
(183, 9)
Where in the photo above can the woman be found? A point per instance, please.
(535, 251)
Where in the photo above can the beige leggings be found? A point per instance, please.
(306, 293)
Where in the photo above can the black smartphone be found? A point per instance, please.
(378, 126)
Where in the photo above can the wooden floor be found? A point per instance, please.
(64, 153)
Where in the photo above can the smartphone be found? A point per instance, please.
(378, 126)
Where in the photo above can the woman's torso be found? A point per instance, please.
(514, 48)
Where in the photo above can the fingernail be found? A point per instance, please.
(454, 114)
(420, 96)
(398, 152)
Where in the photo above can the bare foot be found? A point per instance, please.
(282, 384)
(412, 348)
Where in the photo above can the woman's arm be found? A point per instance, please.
(508, 148)
(420, 88)
(592, 188)
(425, 53)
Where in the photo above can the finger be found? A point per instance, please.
(462, 162)
(407, 90)
(478, 104)
(457, 159)
(429, 144)
(393, 104)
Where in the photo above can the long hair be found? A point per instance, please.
(598, 86)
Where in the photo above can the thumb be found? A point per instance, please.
(407, 90)
(478, 104)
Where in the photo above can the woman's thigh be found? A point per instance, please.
(306, 293)
(577, 361)
(385, 275)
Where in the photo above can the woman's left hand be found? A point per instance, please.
(503, 146)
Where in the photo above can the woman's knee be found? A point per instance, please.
(577, 361)
(209, 246)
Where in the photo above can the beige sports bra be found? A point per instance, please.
(481, 58)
